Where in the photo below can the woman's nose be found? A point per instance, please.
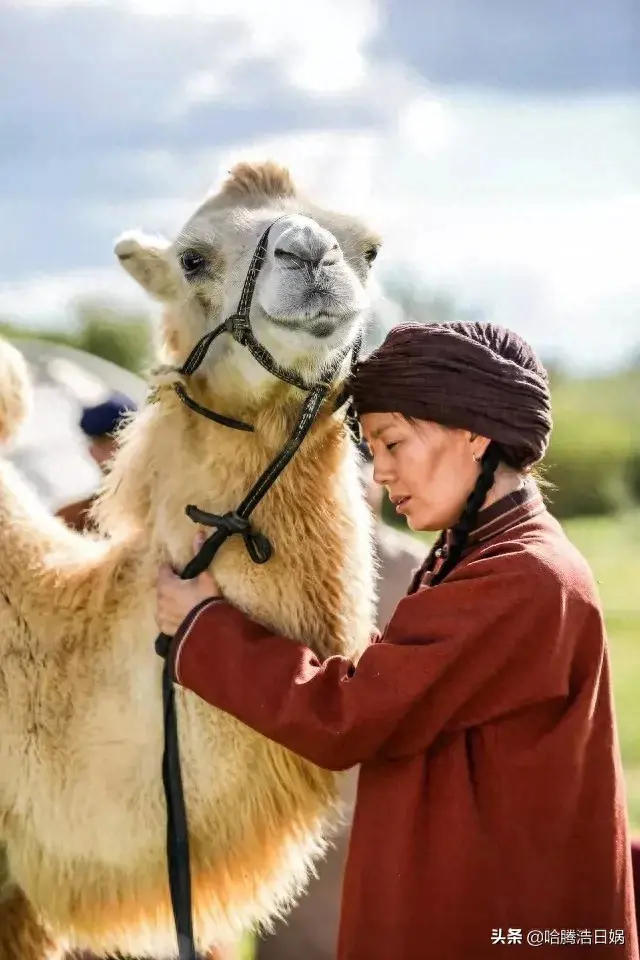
(381, 472)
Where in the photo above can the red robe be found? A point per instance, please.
(635, 864)
(491, 799)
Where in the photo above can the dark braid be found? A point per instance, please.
(429, 562)
(461, 530)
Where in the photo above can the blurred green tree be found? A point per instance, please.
(122, 337)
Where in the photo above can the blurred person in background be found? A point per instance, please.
(311, 929)
(99, 423)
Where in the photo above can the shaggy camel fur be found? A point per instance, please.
(82, 813)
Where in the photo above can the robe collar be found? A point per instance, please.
(492, 522)
(506, 512)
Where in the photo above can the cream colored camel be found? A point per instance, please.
(82, 814)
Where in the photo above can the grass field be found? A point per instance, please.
(248, 949)
(612, 547)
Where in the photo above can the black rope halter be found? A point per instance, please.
(258, 547)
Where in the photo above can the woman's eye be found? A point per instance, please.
(192, 262)
(390, 446)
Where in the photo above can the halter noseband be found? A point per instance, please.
(238, 325)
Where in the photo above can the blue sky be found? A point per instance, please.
(496, 145)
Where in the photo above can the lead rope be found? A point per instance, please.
(259, 549)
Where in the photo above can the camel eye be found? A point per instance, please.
(371, 254)
(192, 263)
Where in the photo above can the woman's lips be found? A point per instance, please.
(401, 504)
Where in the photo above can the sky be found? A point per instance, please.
(494, 144)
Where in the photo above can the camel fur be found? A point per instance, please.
(82, 812)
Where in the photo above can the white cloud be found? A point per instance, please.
(320, 51)
(167, 215)
(536, 230)
(199, 88)
(527, 208)
(561, 269)
(54, 4)
(424, 124)
(154, 8)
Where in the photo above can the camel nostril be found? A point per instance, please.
(283, 254)
(331, 257)
(295, 260)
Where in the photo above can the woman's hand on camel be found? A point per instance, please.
(176, 598)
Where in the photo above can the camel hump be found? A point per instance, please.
(15, 390)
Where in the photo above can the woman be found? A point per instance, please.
(491, 806)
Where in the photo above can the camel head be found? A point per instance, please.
(311, 297)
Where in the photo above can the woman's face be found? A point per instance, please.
(428, 470)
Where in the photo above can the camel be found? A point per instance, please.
(82, 811)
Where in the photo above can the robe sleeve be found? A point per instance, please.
(495, 637)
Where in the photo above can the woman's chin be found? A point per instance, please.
(422, 527)
(415, 521)
(422, 522)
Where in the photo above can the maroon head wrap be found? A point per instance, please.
(474, 376)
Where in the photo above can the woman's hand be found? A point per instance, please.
(176, 598)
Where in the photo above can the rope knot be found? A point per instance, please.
(238, 326)
(258, 546)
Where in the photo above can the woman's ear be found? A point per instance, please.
(478, 445)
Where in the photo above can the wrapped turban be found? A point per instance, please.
(473, 376)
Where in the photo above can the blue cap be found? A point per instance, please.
(105, 417)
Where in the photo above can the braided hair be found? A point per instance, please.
(461, 530)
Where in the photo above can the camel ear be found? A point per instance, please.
(146, 259)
